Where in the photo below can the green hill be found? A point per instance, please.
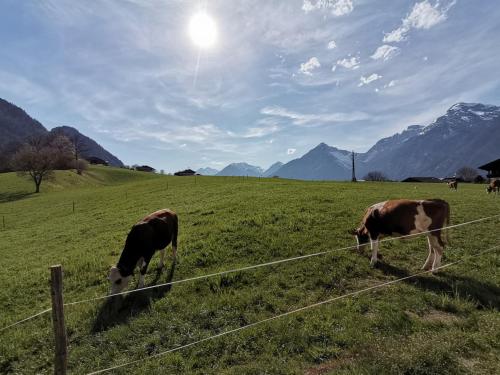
(443, 324)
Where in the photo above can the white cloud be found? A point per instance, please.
(424, 15)
(349, 63)
(337, 7)
(390, 84)
(385, 52)
(307, 67)
(367, 80)
(332, 44)
(291, 151)
(302, 119)
(262, 131)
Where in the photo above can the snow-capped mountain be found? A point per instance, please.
(467, 135)
(321, 163)
(207, 171)
(241, 169)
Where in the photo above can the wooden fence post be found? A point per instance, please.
(61, 353)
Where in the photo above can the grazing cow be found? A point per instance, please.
(154, 232)
(403, 217)
(453, 184)
(494, 187)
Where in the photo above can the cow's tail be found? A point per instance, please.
(447, 223)
(175, 232)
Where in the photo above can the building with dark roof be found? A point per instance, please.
(492, 168)
(186, 172)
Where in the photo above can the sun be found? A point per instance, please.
(202, 30)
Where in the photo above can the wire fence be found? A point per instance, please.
(350, 294)
(246, 268)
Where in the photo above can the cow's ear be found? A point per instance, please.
(375, 213)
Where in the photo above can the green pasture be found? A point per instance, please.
(447, 323)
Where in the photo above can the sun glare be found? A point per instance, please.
(202, 30)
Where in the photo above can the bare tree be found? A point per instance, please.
(78, 148)
(375, 176)
(38, 158)
(467, 173)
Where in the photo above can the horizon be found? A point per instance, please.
(140, 81)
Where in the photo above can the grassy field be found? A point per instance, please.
(443, 324)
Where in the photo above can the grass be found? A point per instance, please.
(443, 324)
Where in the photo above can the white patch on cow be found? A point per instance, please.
(174, 251)
(378, 206)
(422, 221)
(114, 276)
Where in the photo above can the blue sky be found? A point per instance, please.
(281, 77)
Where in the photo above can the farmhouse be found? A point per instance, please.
(145, 168)
(186, 172)
(492, 168)
(97, 161)
(421, 179)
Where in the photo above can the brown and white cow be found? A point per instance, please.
(453, 184)
(403, 217)
(155, 232)
(494, 187)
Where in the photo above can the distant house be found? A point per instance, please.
(422, 179)
(492, 168)
(186, 172)
(97, 161)
(145, 168)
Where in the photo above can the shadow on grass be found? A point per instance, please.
(485, 295)
(119, 309)
(11, 197)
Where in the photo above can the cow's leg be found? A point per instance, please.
(430, 259)
(438, 252)
(374, 246)
(144, 268)
(162, 258)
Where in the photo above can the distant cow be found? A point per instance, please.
(155, 232)
(453, 184)
(403, 217)
(494, 187)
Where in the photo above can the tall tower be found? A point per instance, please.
(353, 169)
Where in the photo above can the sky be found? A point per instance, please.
(280, 78)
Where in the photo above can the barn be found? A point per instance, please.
(97, 161)
(492, 169)
(145, 168)
(186, 172)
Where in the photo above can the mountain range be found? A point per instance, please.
(468, 134)
(16, 126)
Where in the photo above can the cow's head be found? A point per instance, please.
(361, 235)
(118, 282)
(489, 189)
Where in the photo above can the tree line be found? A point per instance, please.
(465, 173)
